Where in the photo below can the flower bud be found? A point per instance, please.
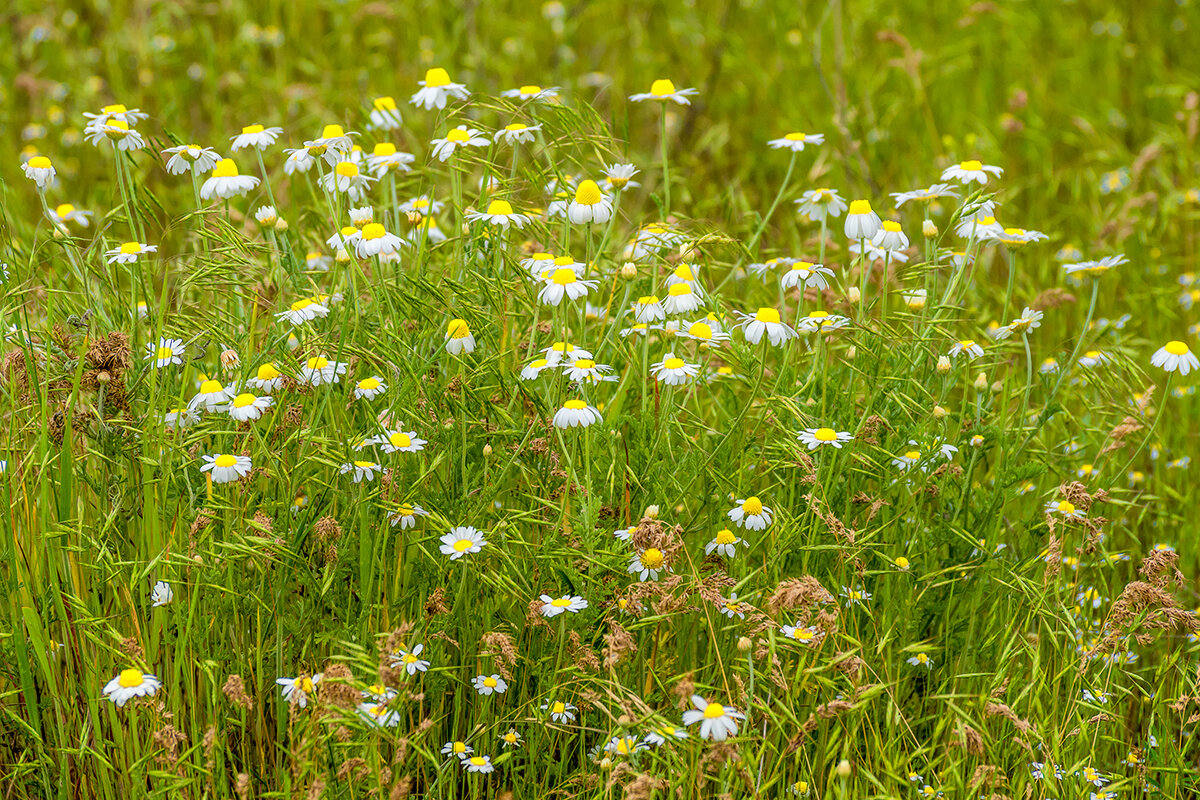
(487, 450)
(651, 512)
(939, 412)
(744, 643)
(281, 225)
(929, 230)
(943, 365)
(854, 295)
(981, 382)
(629, 270)
(230, 359)
(843, 769)
(851, 352)
(997, 387)
(341, 257)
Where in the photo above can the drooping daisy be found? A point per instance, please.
(576, 413)
(969, 347)
(808, 635)
(796, 141)
(246, 406)
(131, 683)
(534, 368)
(854, 596)
(319, 370)
(65, 212)
(480, 764)
(1175, 356)
(751, 514)
(226, 182)
(819, 437)
(40, 170)
(369, 388)
(376, 241)
(890, 236)
(681, 299)
(180, 418)
(590, 205)
(362, 470)
(724, 543)
(921, 660)
(424, 206)
(165, 353)
(299, 689)
(705, 331)
(334, 143)
(384, 116)
(460, 541)
(717, 722)
(130, 116)
(674, 371)
(385, 159)
(1029, 320)
(459, 338)
(211, 396)
(436, 89)
(559, 352)
(647, 564)
(925, 195)
(531, 92)
(406, 515)
(266, 379)
(116, 131)
(648, 309)
(499, 213)
(861, 221)
(410, 660)
(225, 467)
(620, 176)
(970, 171)
(819, 321)
(378, 715)
(663, 90)
(346, 178)
(190, 157)
(766, 320)
(660, 735)
(585, 370)
(1064, 508)
(553, 606)
(818, 204)
(806, 275)
(455, 138)
(1014, 238)
(982, 227)
(255, 136)
(560, 711)
(1093, 358)
(161, 595)
(129, 252)
(517, 133)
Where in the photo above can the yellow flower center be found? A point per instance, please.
(116, 108)
(726, 537)
(714, 711)
(457, 135)
(988, 221)
(510, 737)
(365, 464)
(769, 315)
(131, 248)
(225, 460)
(561, 602)
(243, 400)
(164, 352)
(319, 362)
(891, 227)
(967, 344)
(373, 230)
(225, 168)
(859, 207)
(400, 440)
(385, 149)
(516, 126)
(1065, 507)
(585, 363)
(117, 128)
(825, 435)
(436, 77)
(208, 387)
(684, 272)
(652, 557)
(575, 405)
(662, 87)
(500, 207)
(1176, 348)
(369, 384)
(457, 329)
(463, 545)
(64, 209)
(701, 330)
(130, 678)
(796, 137)
(802, 635)
(267, 372)
(679, 290)
(252, 129)
(558, 708)
(384, 104)
(477, 761)
(648, 300)
(973, 166)
(588, 193)
(40, 162)
(913, 455)
(347, 169)
(673, 363)
(752, 506)
(531, 89)
(332, 132)
(300, 305)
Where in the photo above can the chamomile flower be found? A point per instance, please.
(921, 660)
(590, 205)
(1029, 320)
(531, 92)
(796, 141)
(334, 143)
(576, 413)
(410, 660)
(161, 595)
(510, 739)
(436, 89)
(266, 378)
(664, 733)
(129, 252)
(190, 157)
(663, 90)
(620, 176)
(65, 212)
(1065, 509)
(319, 370)
(808, 635)
(648, 309)
(255, 136)
(378, 715)
(819, 204)
(179, 419)
(369, 388)
(1093, 358)
(131, 683)
(226, 468)
(385, 159)
(116, 131)
(459, 338)
(559, 711)
(480, 764)
(395, 441)
(489, 684)
(890, 236)
(376, 241)
(681, 299)
(211, 396)
(980, 226)
(1175, 356)
(534, 368)
(724, 543)
(854, 597)
(423, 205)
(384, 115)
(647, 564)
(517, 133)
(705, 331)
(226, 182)
(130, 116)
(165, 353)
(624, 745)
(717, 722)
(246, 406)
(459, 750)
(674, 371)
(818, 321)
(751, 514)
(460, 541)
(924, 195)
(968, 347)
(455, 138)
(766, 320)
(586, 370)
(559, 352)
(303, 310)
(813, 438)
(861, 221)
(499, 213)
(361, 470)
(971, 171)
(1015, 238)
(806, 275)
(553, 606)
(406, 515)
(346, 178)
(299, 160)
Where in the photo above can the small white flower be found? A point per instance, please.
(161, 594)
(751, 514)
(131, 683)
(489, 684)
(969, 171)
(552, 607)
(796, 141)
(717, 722)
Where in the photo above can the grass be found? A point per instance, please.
(1038, 638)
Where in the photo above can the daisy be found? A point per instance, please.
(647, 564)
(733, 607)
(385, 158)
(970, 171)
(821, 322)
(560, 711)
(320, 370)
(128, 253)
(1048, 366)
(459, 338)
(487, 684)
(620, 176)
(1175, 356)
(131, 683)
(345, 238)
(410, 661)
(817, 437)
(165, 353)
(983, 227)
(130, 116)
(161, 595)
(1065, 509)
(460, 541)
(559, 352)
(346, 178)
(376, 241)
(1093, 358)
(394, 441)
(500, 213)
(179, 419)
(854, 596)
(117, 131)
(890, 236)
(226, 468)
(266, 379)
(369, 388)
(659, 736)
(531, 92)
(299, 160)
(534, 368)
(303, 310)
(481, 764)
(806, 635)
(796, 141)
(458, 749)
(334, 143)
(648, 309)
(724, 543)
(681, 299)
(585, 369)
(384, 116)
(510, 739)
(663, 90)
(297, 690)
(921, 660)
(1016, 237)
(266, 216)
(363, 470)
(436, 89)
(517, 133)
(456, 138)
(406, 516)
(590, 205)
(717, 722)
(423, 206)
(192, 157)
(245, 406)
(211, 396)
(552, 607)
(705, 331)
(861, 221)
(255, 136)
(806, 275)
(674, 371)
(1029, 320)
(226, 182)
(751, 514)
(766, 320)
(818, 204)
(924, 195)
(576, 413)
(65, 212)
(378, 715)
(968, 346)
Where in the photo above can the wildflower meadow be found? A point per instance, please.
(623, 399)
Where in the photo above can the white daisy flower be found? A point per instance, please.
(161, 595)
(590, 205)
(128, 253)
(436, 89)
(406, 515)
(246, 406)
(751, 514)
(861, 221)
(724, 543)
(410, 660)
(681, 299)
(459, 338)
(766, 320)
(796, 141)
(362, 470)
(131, 683)
(190, 157)
(376, 241)
(457, 137)
(663, 90)
(807, 275)
(517, 133)
(1175, 356)
(576, 413)
(226, 182)
(266, 379)
(499, 213)
(717, 722)
(674, 371)
(818, 204)
(560, 711)
(255, 136)
(970, 171)
(226, 468)
(319, 370)
(460, 541)
(165, 353)
(818, 437)
(552, 607)
(385, 158)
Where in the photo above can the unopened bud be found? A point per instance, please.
(929, 230)
(939, 412)
(651, 512)
(943, 365)
(997, 387)
(487, 450)
(744, 643)
(851, 352)
(981, 382)
(281, 225)
(854, 295)
(843, 769)
(341, 256)
(103, 376)
(629, 270)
